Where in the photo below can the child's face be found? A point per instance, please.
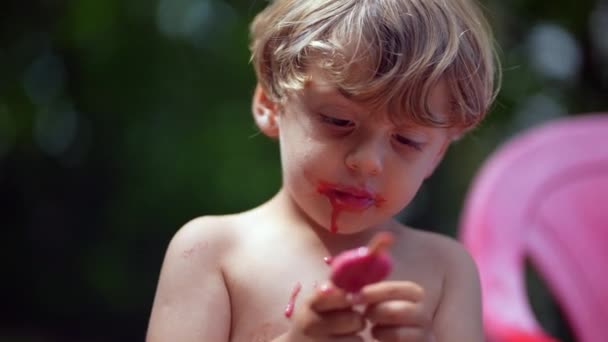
(369, 167)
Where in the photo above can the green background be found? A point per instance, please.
(120, 120)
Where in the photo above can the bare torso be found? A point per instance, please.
(262, 268)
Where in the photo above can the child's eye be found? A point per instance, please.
(408, 142)
(343, 123)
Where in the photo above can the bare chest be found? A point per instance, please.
(266, 287)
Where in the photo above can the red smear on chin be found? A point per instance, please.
(331, 191)
(292, 300)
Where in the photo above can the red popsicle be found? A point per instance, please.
(355, 268)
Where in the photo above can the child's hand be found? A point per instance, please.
(395, 309)
(327, 315)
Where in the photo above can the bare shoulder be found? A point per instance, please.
(191, 287)
(460, 290)
(212, 235)
(446, 252)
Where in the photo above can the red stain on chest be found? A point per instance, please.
(292, 300)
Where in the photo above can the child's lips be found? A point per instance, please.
(353, 201)
(351, 198)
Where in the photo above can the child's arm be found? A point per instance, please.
(192, 302)
(458, 317)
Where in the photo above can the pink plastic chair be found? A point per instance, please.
(543, 196)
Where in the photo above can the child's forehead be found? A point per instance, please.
(318, 82)
(319, 90)
(318, 87)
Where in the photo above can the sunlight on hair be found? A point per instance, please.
(386, 54)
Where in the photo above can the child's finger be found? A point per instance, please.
(397, 312)
(334, 323)
(384, 333)
(329, 298)
(390, 290)
(350, 338)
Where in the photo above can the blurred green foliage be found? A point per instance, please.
(122, 119)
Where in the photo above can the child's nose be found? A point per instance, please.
(366, 159)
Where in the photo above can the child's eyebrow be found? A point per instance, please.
(418, 131)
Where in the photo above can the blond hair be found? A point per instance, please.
(384, 53)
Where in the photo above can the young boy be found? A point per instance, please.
(364, 97)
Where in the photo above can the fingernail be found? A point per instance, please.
(325, 288)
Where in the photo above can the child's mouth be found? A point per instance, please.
(351, 201)
(349, 198)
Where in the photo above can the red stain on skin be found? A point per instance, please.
(292, 300)
(199, 246)
(347, 198)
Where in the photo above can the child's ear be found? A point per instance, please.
(265, 112)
